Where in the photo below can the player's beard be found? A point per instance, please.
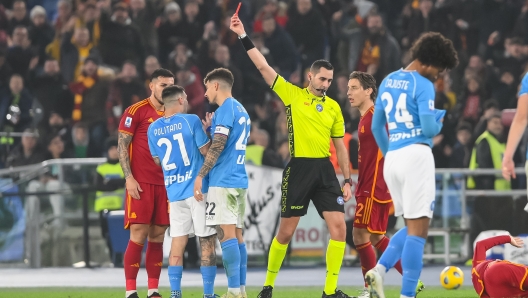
(158, 100)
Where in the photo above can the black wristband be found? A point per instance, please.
(247, 43)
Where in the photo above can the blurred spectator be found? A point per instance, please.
(28, 152)
(52, 91)
(15, 106)
(307, 29)
(258, 153)
(74, 50)
(56, 148)
(21, 56)
(284, 152)
(466, 15)
(143, 15)
(151, 64)
(424, 19)
(20, 17)
(222, 58)
(120, 40)
(506, 91)
(281, 46)
(56, 125)
(513, 58)
(40, 31)
(277, 9)
(5, 69)
(470, 102)
(91, 19)
(226, 36)
(193, 23)
(90, 94)
(64, 14)
(170, 31)
(194, 89)
(500, 17)
(180, 59)
(125, 91)
(461, 150)
(487, 154)
(82, 145)
(373, 50)
(490, 108)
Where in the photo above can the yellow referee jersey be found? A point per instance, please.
(311, 120)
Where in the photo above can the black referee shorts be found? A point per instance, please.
(306, 179)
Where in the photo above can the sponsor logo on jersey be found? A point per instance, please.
(178, 178)
(128, 122)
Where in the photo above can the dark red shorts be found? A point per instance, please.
(152, 208)
(505, 279)
(372, 215)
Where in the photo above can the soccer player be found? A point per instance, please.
(228, 181)
(177, 142)
(146, 204)
(498, 278)
(405, 104)
(520, 120)
(313, 119)
(373, 200)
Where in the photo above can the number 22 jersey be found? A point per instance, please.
(176, 141)
(232, 120)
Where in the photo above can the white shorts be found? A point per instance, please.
(187, 217)
(410, 175)
(226, 206)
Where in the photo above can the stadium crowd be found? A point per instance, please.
(69, 68)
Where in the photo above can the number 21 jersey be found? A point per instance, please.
(404, 96)
(232, 120)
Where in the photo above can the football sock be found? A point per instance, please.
(381, 246)
(231, 260)
(131, 261)
(153, 264)
(243, 265)
(412, 264)
(394, 250)
(175, 276)
(275, 257)
(208, 276)
(334, 258)
(367, 257)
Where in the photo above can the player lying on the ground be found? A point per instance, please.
(178, 144)
(498, 278)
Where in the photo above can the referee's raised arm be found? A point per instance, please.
(258, 59)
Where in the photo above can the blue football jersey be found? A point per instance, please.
(176, 141)
(231, 119)
(404, 96)
(524, 90)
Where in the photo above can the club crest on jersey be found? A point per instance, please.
(128, 122)
(319, 107)
(340, 200)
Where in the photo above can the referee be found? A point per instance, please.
(313, 118)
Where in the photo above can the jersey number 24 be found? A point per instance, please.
(401, 115)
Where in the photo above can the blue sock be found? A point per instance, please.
(243, 263)
(412, 263)
(175, 276)
(231, 260)
(208, 276)
(393, 253)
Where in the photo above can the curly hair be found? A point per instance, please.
(433, 49)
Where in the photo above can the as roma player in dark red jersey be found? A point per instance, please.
(373, 200)
(146, 205)
(498, 278)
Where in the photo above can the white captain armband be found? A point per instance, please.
(222, 130)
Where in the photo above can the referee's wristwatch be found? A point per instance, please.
(348, 180)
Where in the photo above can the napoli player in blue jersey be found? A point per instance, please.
(228, 181)
(405, 104)
(178, 144)
(520, 120)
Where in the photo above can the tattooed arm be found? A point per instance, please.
(213, 153)
(207, 245)
(157, 160)
(123, 143)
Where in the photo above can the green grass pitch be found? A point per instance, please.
(283, 292)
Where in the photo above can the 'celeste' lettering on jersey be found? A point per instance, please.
(319, 107)
(397, 84)
(167, 129)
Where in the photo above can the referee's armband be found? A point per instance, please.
(246, 42)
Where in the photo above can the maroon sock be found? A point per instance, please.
(367, 257)
(154, 262)
(131, 262)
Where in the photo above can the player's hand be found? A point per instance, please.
(207, 121)
(198, 195)
(236, 25)
(133, 187)
(516, 241)
(347, 192)
(508, 168)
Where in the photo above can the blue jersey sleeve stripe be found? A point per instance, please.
(189, 125)
(201, 146)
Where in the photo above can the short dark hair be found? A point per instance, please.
(316, 66)
(495, 115)
(433, 49)
(464, 126)
(220, 74)
(366, 81)
(161, 72)
(171, 91)
(491, 104)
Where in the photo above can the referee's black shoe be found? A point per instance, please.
(266, 292)
(337, 294)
